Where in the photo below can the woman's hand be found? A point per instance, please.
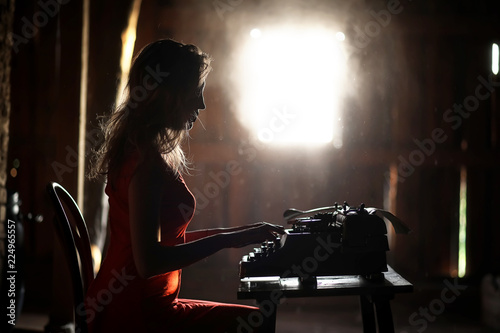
(256, 233)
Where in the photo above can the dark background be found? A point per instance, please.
(403, 80)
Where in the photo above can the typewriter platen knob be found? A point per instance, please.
(361, 209)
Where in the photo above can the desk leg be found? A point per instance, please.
(384, 314)
(269, 325)
(367, 314)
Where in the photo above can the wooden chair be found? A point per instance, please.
(73, 234)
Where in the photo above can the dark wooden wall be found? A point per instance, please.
(7, 18)
(406, 78)
(46, 73)
(427, 59)
(45, 78)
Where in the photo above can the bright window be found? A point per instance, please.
(494, 58)
(292, 81)
(462, 231)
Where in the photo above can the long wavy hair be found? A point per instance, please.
(149, 119)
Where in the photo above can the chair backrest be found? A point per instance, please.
(73, 234)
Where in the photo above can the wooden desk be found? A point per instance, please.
(374, 296)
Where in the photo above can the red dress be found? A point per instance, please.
(119, 300)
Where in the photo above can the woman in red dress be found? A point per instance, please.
(150, 206)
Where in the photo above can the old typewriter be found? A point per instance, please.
(336, 240)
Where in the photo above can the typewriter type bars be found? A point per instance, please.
(343, 241)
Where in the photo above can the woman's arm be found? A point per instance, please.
(197, 234)
(152, 258)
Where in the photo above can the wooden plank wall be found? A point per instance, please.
(427, 59)
(46, 69)
(407, 78)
